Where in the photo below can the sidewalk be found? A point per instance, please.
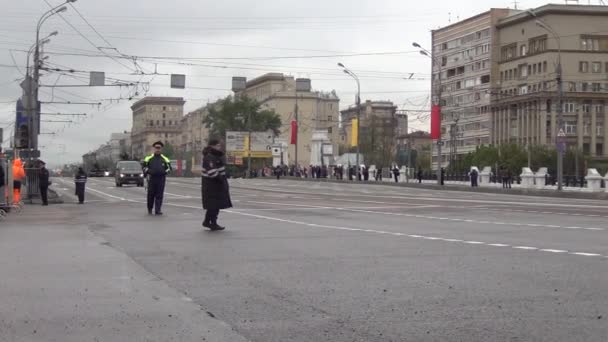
(61, 282)
(549, 191)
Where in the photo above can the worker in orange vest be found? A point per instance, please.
(18, 177)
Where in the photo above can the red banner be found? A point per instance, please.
(436, 122)
(294, 132)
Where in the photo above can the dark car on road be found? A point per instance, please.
(99, 173)
(129, 172)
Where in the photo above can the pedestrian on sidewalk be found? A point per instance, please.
(80, 180)
(157, 166)
(509, 178)
(43, 179)
(214, 185)
(419, 176)
(277, 171)
(473, 174)
(442, 176)
(396, 173)
(366, 173)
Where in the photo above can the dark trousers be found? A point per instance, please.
(44, 192)
(80, 192)
(156, 190)
(419, 180)
(211, 215)
(396, 178)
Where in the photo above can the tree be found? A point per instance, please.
(232, 114)
(423, 160)
(169, 150)
(124, 156)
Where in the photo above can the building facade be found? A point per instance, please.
(317, 111)
(121, 145)
(382, 115)
(464, 76)
(194, 136)
(156, 119)
(524, 109)
(380, 125)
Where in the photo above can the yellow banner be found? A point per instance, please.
(354, 132)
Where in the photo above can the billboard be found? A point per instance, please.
(238, 145)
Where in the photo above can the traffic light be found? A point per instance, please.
(23, 137)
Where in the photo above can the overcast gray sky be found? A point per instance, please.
(223, 30)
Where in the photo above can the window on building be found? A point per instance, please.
(534, 69)
(569, 107)
(523, 90)
(596, 87)
(460, 70)
(583, 66)
(329, 130)
(477, 96)
(545, 66)
(529, 69)
(586, 108)
(570, 127)
(444, 61)
(163, 123)
(458, 85)
(485, 79)
(537, 44)
(157, 122)
(502, 76)
(164, 108)
(571, 86)
(523, 50)
(590, 43)
(599, 108)
(584, 86)
(508, 52)
(523, 71)
(330, 118)
(166, 135)
(596, 67)
(151, 123)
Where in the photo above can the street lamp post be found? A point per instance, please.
(438, 90)
(358, 102)
(33, 86)
(561, 145)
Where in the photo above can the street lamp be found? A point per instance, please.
(427, 53)
(33, 85)
(560, 143)
(358, 102)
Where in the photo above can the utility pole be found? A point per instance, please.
(437, 90)
(561, 143)
(296, 109)
(358, 103)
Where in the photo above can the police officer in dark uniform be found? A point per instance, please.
(156, 166)
(214, 186)
(80, 180)
(44, 183)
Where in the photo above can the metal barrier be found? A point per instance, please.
(32, 176)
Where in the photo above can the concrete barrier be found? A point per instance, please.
(527, 178)
(540, 177)
(594, 180)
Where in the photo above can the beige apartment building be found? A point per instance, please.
(317, 111)
(194, 135)
(465, 57)
(379, 114)
(156, 119)
(524, 107)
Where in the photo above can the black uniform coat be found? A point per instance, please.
(214, 187)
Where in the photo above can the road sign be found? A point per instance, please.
(261, 144)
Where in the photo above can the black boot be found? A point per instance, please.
(215, 226)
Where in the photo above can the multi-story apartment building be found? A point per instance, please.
(376, 114)
(524, 107)
(120, 144)
(156, 119)
(464, 55)
(317, 111)
(194, 136)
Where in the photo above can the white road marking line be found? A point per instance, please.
(585, 254)
(553, 250)
(498, 245)
(526, 247)
(475, 242)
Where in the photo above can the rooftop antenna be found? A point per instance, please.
(515, 3)
(449, 17)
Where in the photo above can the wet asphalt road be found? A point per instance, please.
(305, 261)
